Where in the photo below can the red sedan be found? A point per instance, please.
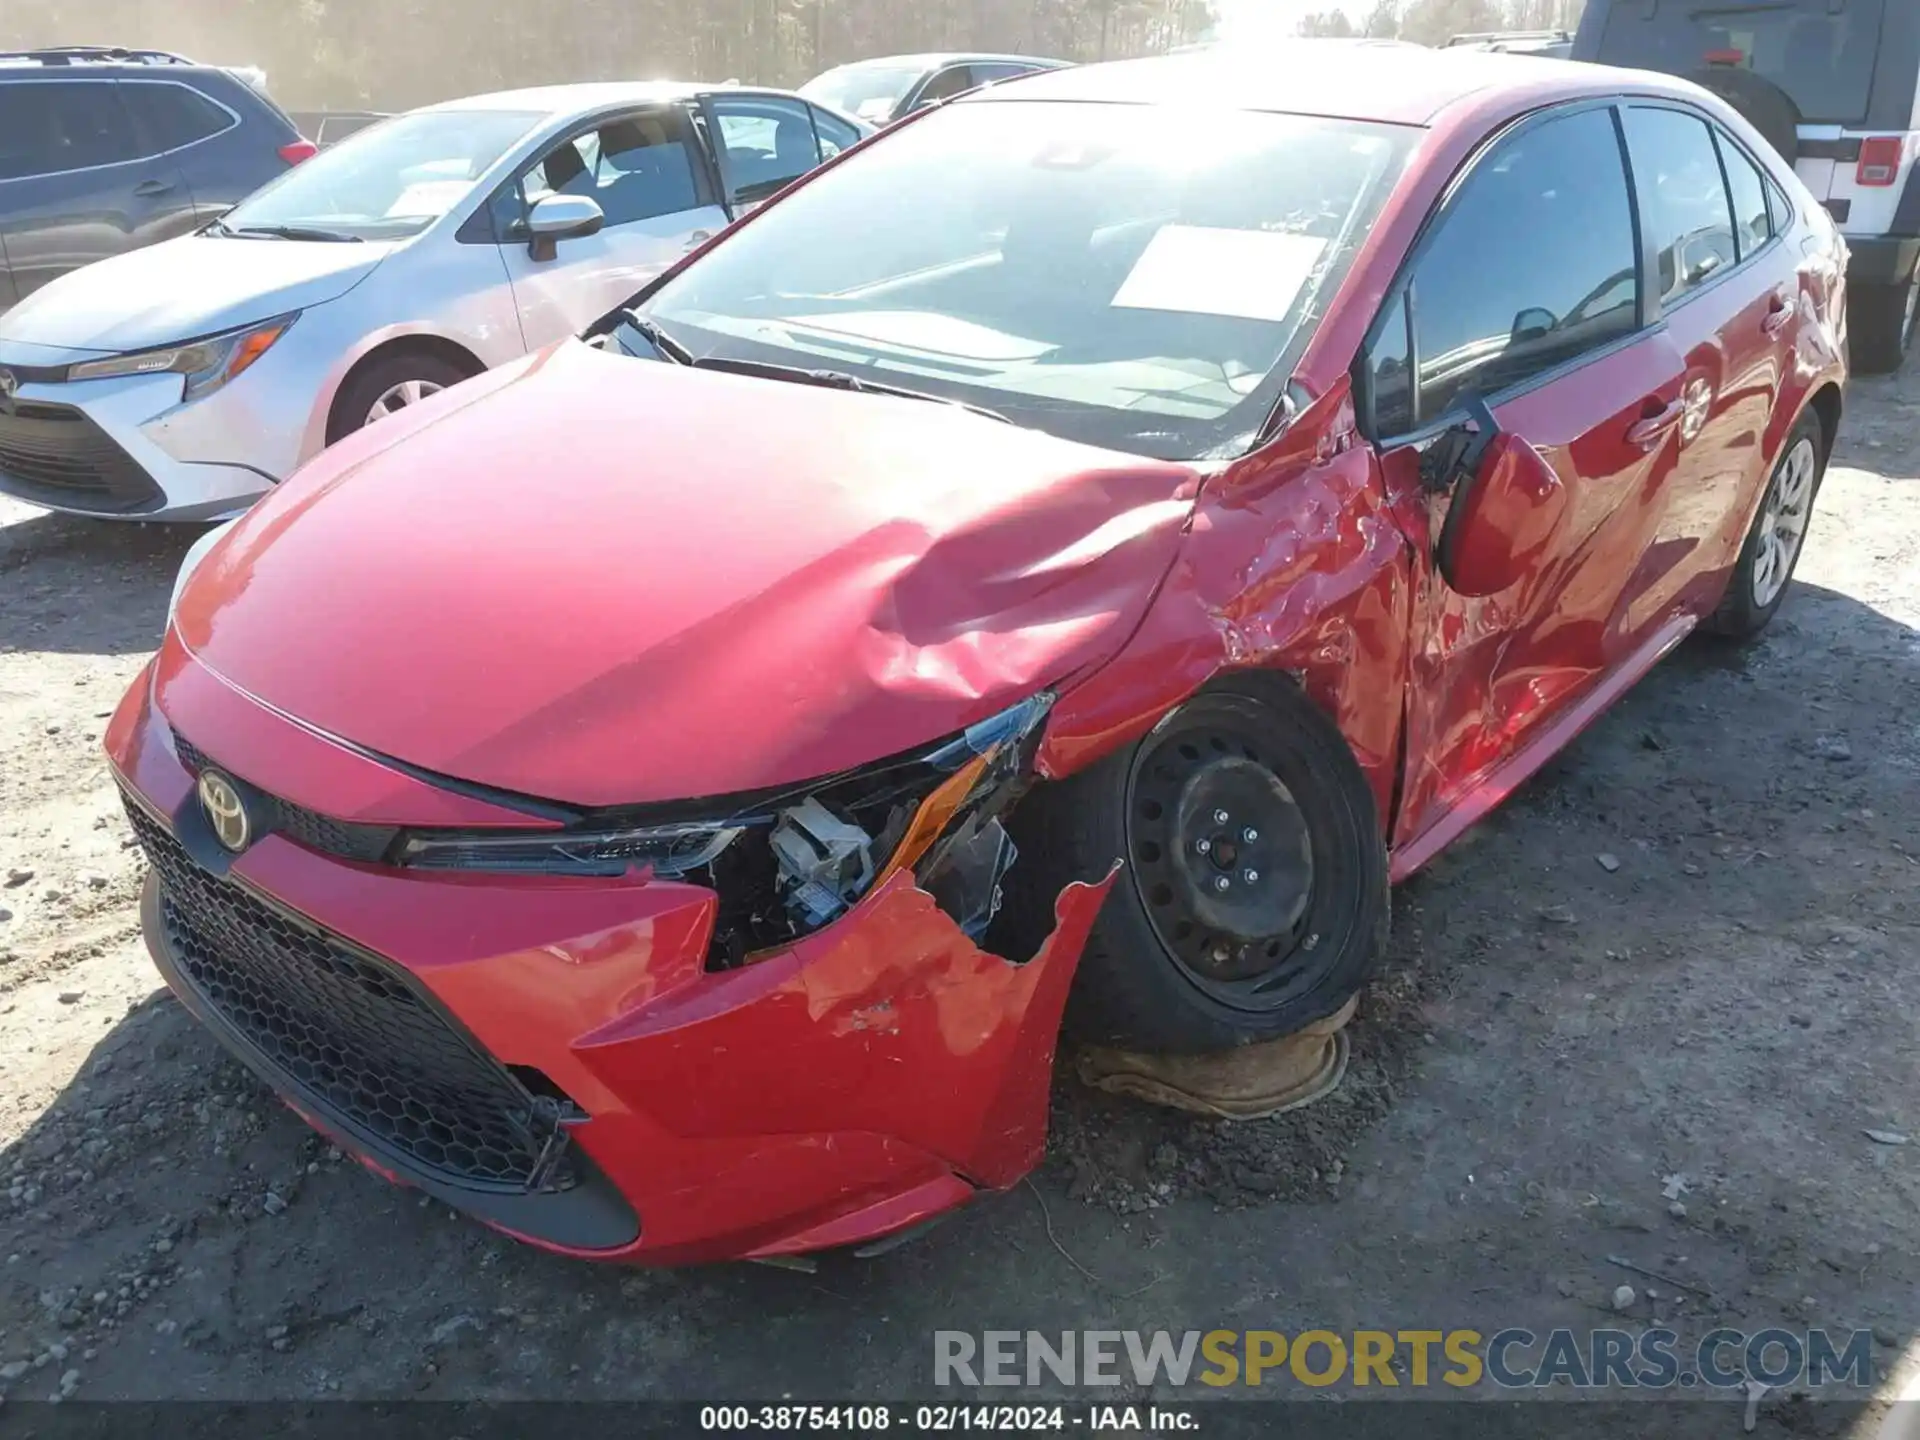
(1068, 556)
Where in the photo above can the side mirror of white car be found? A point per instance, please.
(561, 217)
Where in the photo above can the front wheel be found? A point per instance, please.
(1254, 900)
(387, 386)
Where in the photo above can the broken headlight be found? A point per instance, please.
(789, 863)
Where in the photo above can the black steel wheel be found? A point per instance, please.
(1254, 900)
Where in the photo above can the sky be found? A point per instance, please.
(1246, 19)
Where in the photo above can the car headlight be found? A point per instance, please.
(208, 364)
(789, 863)
(196, 552)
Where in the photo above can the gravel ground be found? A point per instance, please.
(1650, 1010)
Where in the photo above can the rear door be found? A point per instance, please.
(74, 187)
(641, 169)
(175, 123)
(762, 144)
(1728, 297)
(1526, 294)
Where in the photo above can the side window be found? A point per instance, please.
(954, 80)
(1780, 208)
(634, 168)
(984, 74)
(765, 144)
(1533, 266)
(1683, 200)
(47, 127)
(1390, 375)
(1752, 227)
(169, 116)
(835, 134)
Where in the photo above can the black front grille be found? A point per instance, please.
(354, 1032)
(55, 453)
(344, 838)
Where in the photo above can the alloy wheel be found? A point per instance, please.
(398, 397)
(1783, 522)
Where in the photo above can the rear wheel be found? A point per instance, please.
(1254, 900)
(1778, 534)
(1880, 325)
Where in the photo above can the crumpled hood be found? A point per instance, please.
(605, 581)
(183, 289)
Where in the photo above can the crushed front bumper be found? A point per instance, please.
(878, 1073)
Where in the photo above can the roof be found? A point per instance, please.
(1383, 80)
(591, 95)
(935, 59)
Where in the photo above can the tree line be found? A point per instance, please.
(392, 54)
(1432, 22)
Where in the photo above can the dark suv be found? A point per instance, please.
(105, 150)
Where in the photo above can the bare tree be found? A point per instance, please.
(389, 54)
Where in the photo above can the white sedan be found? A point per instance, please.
(182, 381)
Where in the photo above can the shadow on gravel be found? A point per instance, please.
(93, 587)
(168, 1219)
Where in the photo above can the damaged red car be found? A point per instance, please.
(1065, 558)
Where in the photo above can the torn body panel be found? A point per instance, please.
(878, 1072)
(1295, 563)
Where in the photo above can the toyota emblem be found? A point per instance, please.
(226, 811)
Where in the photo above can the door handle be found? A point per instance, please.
(1654, 424)
(1779, 315)
(147, 189)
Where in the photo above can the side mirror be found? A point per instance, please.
(561, 217)
(1533, 323)
(1508, 505)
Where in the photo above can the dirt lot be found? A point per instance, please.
(1679, 965)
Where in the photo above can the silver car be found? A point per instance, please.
(182, 381)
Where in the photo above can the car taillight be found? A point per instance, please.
(1725, 57)
(297, 150)
(1879, 160)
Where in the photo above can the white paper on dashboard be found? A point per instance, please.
(1247, 274)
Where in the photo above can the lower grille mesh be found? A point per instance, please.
(354, 1031)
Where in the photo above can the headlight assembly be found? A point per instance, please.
(788, 864)
(208, 364)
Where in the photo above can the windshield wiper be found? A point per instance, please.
(292, 232)
(838, 380)
(650, 331)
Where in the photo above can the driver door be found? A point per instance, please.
(642, 171)
(1527, 294)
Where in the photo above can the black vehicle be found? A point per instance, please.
(1833, 85)
(104, 150)
(894, 86)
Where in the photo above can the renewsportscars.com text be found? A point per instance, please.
(1511, 1359)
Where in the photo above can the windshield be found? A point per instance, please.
(1821, 56)
(388, 181)
(1132, 276)
(872, 92)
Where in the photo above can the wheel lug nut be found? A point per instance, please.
(1249, 876)
(1205, 847)
(1222, 883)
(1249, 836)
(1220, 817)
